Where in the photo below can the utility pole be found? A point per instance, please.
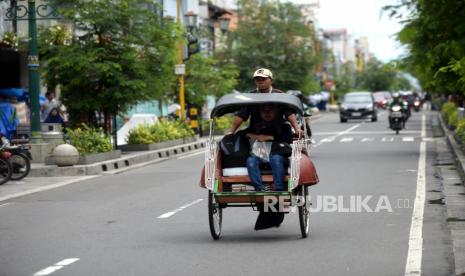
(180, 68)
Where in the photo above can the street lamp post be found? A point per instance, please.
(180, 68)
(34, 77)
(18, 11)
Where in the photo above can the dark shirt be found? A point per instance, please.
(280, 131)
(254, 114)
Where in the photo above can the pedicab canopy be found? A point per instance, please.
(234, 102)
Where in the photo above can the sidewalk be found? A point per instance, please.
(127, 160)
(45, 177)
(450, 162)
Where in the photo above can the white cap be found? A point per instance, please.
(264, 73)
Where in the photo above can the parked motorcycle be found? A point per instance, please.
(20, 161)
(5, 165)
(396, 118)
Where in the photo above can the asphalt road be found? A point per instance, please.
(153, 220)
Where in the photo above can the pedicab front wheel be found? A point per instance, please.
(304, 213)
(215, 216)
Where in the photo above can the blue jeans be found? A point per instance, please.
(278, 165)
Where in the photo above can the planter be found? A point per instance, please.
(99, 157)
(157, 146)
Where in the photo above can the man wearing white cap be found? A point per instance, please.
(263, 81)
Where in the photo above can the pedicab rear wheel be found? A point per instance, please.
(215, 216)
(304, 212)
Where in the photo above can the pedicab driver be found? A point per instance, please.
(263, 80)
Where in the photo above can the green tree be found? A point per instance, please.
(208, 76)
(433, 32)
(382, 77)
(274, 35)
(122, 54)
(345, 81)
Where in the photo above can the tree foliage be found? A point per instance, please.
(274, 35)
(434, 32)
(121, 54)
(208, 76)
(379, 76)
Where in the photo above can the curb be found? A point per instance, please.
(455, 147)
(117, 164)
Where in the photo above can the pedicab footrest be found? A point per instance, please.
(250, 197)
(246, 179)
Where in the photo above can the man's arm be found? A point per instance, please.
(293, 120)
(237, 121)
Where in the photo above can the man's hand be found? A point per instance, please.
(251, 136)
(261, 137)
(264, 138)
(300, 133)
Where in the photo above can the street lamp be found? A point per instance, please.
(191, 19)
(224, 23)
(19, 11)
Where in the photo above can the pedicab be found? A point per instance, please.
(234, 189)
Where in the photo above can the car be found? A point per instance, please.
(358, 105)
(380, 99)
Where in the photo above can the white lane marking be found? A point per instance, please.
(327, 140)
(368, 139)
(192, 154)
(169, 214)
(5, 204)
(48, 187)
(408, 139)
(415, 244)
(367, 132)
(387, 139)
(49, 270)
(337, 135)
(347, 139)
(66, 262)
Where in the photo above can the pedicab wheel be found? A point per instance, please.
(215, 216)
(304, 213)
(397, 132)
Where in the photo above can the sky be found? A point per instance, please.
(362, 18)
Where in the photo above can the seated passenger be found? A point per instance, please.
(274, 130)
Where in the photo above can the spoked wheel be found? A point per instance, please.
(5, 171)
(215, 216)
(21, 166)
(304, 212)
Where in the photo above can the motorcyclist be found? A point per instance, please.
(398, 100)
